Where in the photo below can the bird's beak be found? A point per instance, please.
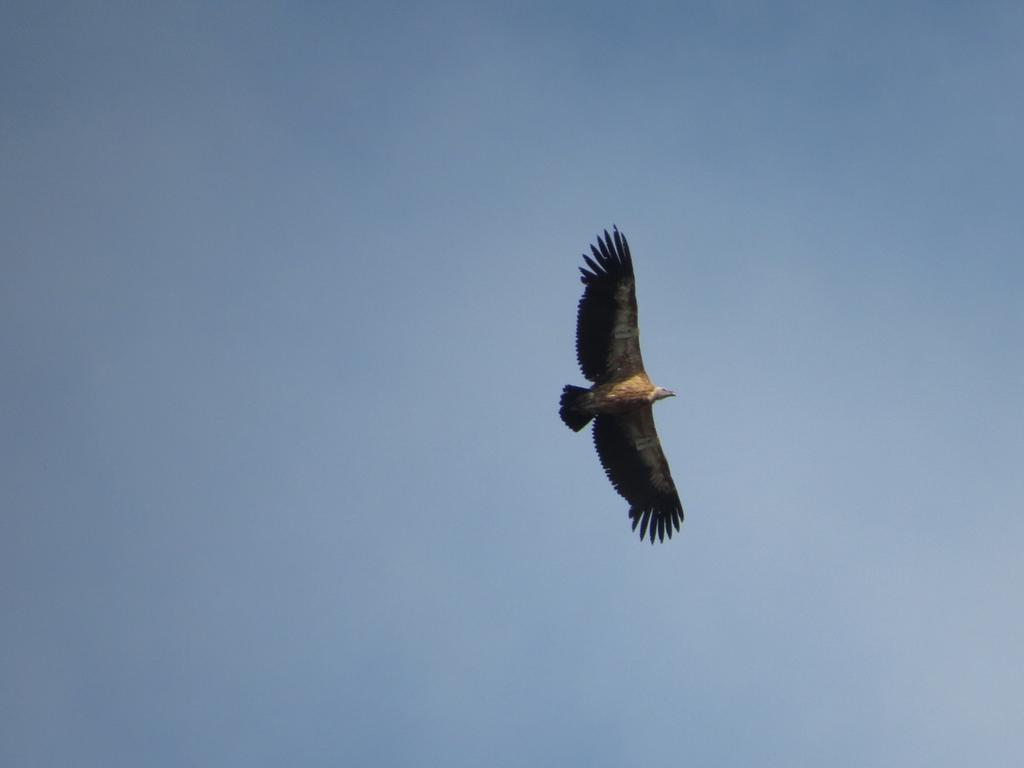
(669, 393)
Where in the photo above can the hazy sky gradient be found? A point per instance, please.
(288, 299)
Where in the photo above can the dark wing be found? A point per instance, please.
(607, 338)
(633, 460)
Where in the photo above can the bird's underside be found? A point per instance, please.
(620, 400)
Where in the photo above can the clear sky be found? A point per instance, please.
(288, 297)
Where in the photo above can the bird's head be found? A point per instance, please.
(660, 393)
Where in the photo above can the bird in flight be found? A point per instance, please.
(621, 398)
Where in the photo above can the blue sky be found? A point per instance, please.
(288, 300)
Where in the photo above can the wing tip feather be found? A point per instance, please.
(656, 522)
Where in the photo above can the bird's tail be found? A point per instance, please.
(572, 412)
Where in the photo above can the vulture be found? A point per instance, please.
(621, 398)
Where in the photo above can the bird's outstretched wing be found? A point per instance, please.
(633, 460)
(607, 335)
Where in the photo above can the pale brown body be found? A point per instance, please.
(621, 396)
